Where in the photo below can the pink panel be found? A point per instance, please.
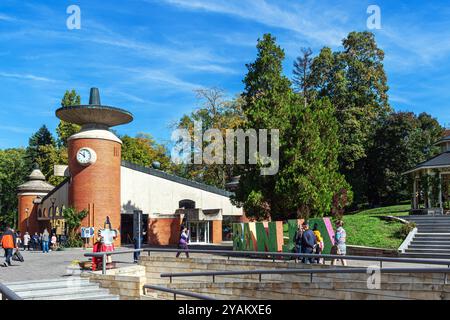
(329, 229)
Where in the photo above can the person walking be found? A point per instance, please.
(298, 240)
(308, 242)
(18, 240)
(35, 241)
(340, 238)
(9, 242)
(26, 241)
(319, 242)
(45, 240)
(183, 243)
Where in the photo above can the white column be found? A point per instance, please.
(440, 191)
(414, 192)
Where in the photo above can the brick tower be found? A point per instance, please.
(95, 160)
(29, 195)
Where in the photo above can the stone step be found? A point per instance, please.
(432, 239)
(43, 280)
(426, 255)
(427, 224)
(424, 217)
(428, 250)
(431, 242)
(99, 297)
(79, 295)
(414, 245)
(20, 287)
(60, 292)
(432, 235)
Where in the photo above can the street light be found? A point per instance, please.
(28, 216)
(53, 200)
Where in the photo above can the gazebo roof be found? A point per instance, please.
(36, 183)
(444, 139)
(440, 161)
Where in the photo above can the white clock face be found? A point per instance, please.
(86, 156)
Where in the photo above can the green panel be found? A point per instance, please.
(262, 238)
(289, 243)
(238, 237)
(248, 239)
(266, 240)
(273, 239)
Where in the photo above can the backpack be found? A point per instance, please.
(18, 256)
(8, 241)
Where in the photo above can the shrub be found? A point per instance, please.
(406, 229)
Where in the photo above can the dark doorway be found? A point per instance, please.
(186, 204)
(126, 228)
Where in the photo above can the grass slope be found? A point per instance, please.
(364, 228)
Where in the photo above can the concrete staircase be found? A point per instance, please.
(72, 288)
(432, 239)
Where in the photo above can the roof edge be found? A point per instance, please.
(175, 178)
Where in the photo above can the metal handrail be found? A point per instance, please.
(8, 294)
(311, 272)
(273, 255)
(178, 292)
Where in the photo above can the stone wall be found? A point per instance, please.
(126, 282)
(310, 291)
(370, 251)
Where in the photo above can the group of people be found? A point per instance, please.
(42, 241)
(311, 242)
(13, 240)
(306, 241)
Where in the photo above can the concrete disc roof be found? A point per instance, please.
(94, 114)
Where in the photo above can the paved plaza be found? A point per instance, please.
(56, 264)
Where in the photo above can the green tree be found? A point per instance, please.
(215, 112)
(65, 129)
(302, 74)
(355, 82)
(266, 96)
(401, 141)
(143, 150)
(34, 153)
(309, 176)
(73, 221)
(13, 172)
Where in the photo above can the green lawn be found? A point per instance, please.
(364, 228)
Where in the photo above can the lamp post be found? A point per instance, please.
(27, 211)
(53, 200)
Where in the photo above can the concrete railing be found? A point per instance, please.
(272, 255)
(7, 294)
(405, 244)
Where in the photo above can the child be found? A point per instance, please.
(319, 241)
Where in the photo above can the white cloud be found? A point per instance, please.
(4, 17)
(22, 76)
(300, 18)
(164, 79)
(15, 129)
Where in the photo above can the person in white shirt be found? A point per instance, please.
(26, 241)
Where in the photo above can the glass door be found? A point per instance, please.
(199, 232)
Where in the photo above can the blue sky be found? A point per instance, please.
(148, 56)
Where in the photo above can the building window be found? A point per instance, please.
(186, 204)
